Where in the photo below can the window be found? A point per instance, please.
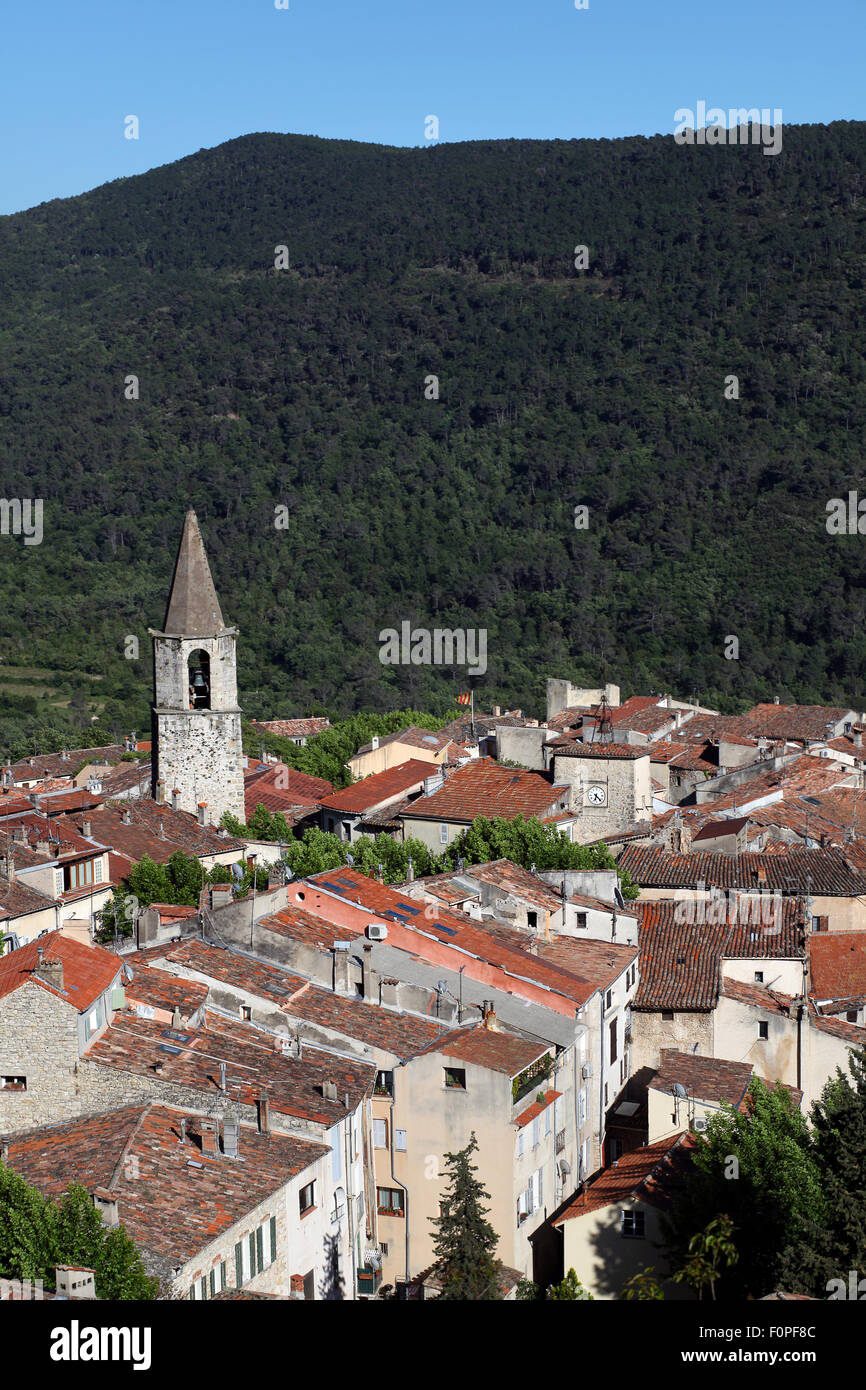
(633, 1224)
(532, 920)
(338, 1210)
(851, 1015)
(613, 1052)
(548, 1117)
(455, 1078)
(389, 1200)
(667, 1015)
(246, 1013)
(763, 1031)
(13, 1083)
(77, 875)
(759, 977)
(307, 1198)
(310, 1285)
(384, 1083)
(443, 834)
(580, 920)
(608, 999)
(255, 1252)
(380, 1134)
(615, 1149)
(581, 1112)
(383, 1246)
(400, 1140)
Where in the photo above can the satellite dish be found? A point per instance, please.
(350, 859)
(237, 873)
(679, 1090)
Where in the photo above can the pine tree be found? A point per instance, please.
(465, 1241)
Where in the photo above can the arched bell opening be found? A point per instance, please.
(199, 680)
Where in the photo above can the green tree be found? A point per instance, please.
(710, 1251)
(26, 1249)
(835, 1244)
(465, 1241)
(80, 1236)
(643, 1286)
(755, 1165)
(570, 1288)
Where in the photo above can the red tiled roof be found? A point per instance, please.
(826, 870)
(679, 961)
(838, 961)
(648, 1174)
(714, 828)
(298, 998)
(705, 1078)
(381, 787)
(55, 765)
(169, 1208)
(297, 728)
(279, 788)
(570, 748)
(414, 737)
(486, 788)
(758, 996)
(536, 1108)
(141, 836)
(634, 705)
(491, 1048)
(157, 989)
(87, 970)
(294, 1084)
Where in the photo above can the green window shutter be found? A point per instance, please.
(223, 1275)
(212, 1282)
(273, 1238)
(253, 1269)
(239, 1266)
(192, 1292)
(204, 1286)
(260, 1248)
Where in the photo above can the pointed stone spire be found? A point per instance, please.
(193, 607)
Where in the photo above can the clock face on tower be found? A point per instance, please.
(596, 796)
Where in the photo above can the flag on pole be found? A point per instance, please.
(464, 699)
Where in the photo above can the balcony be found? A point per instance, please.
(560, 1141)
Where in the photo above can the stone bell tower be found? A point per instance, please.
(196, 720)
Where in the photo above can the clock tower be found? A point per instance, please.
(196, 719)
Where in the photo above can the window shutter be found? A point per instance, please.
(213, 1283)
(336, 1157)
(535, 1133)
(97, 871)
(541, 1187)
(260, 1249)
(58, 882)
(273, 1238)
(239, 1266)
(192, 1292)
(520, 1143)
(223, 1276)
(204, 1286)
(252, 1253)
(400, 1140)
(547, 1118)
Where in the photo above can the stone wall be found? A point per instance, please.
(39, 1041)
(200, 753)
(650, 1033)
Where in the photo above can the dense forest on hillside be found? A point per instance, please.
(304, 388)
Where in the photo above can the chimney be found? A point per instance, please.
(51, 971)
(4, 1150)
(159, 792)
(202, 807)
(329, 1090)
(65, 755)
(367, 971)
(86, 829)
(7, 863)
(488, 1014)
(161, 831)
(858, 738)
(210, 1138)
(222, 1076)
(126, 816)
(231, 1138)
(105, 1202)
(19, 833)
(74, 1281)
(775, 699)
(375, 742)
(342, 981)
(175, 798)
(380, 876)
(43, 846)
(264, 1114)
(497, 710)
(410, 871)
(182, 1139)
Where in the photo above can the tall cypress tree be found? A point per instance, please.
(465, 1241)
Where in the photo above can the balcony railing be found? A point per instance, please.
(560, 1141)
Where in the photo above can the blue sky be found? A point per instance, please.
(198, 72)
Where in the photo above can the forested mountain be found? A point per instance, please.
(305, 387)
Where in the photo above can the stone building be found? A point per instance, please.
(197, 749)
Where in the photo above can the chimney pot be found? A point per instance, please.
(175, 798)
(160, 792)
(210, 1138)
(264, 1114)
(202, 808)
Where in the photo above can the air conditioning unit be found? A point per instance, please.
(700, 1124)
(586, 1070)
(376, 933)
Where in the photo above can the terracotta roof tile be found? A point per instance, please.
(381, 787)
(650, 1174)
(297, 728)
(484, 787)
(170, 1208)
(87, 970)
